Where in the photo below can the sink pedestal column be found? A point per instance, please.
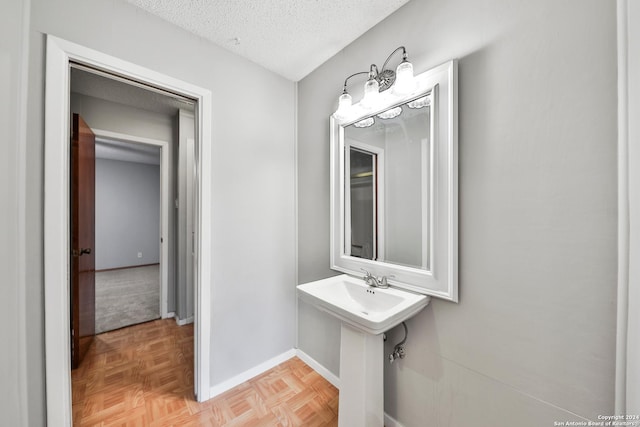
(361, 379)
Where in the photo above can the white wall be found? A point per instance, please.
(532, 340)
(127, 214)
(14, 405)
(253, 265)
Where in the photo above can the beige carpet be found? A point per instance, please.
(126, 297)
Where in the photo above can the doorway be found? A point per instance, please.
(133, 238)
(60, 54)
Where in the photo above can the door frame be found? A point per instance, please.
(56, 219)
(164, 205)
(627, 381)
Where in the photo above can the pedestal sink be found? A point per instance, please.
(366, 312)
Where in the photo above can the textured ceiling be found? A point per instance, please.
(289, 37)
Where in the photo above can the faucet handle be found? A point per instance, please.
(383, 281)
(369, 279)
(366, 272)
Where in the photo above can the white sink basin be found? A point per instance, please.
(372, 310)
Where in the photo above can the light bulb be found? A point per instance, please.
(405, 83)
(344, 105)
(371, 93)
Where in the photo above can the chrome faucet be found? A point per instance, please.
(375, 282)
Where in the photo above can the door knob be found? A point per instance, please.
(81, 252)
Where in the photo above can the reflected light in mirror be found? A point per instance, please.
(419, 103)
(391, 113)
(364, 123)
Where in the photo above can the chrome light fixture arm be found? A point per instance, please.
(404, 56)
(344, 88)
(386, 77)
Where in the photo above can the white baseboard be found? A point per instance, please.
(170, 315)
(250, 373)
(182, 322)
(316, 366)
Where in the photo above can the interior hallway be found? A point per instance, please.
(143, 376)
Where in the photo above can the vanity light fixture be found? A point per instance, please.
(401, 81)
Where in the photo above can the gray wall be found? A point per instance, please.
(14, 397)
(253, 261)
(127, 214)
(533, 337)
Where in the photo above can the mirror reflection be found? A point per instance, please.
(363, 204)
(387, 167)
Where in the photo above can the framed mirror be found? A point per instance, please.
(394, 187)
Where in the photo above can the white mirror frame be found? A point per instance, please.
(441, 278)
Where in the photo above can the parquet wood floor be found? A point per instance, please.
(143, 376)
